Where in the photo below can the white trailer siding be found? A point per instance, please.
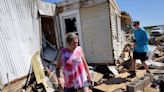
(118, 36)
(96, 33)
(19, 38)
(103, 39)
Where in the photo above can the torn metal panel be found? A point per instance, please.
(77, 4)
(156, 65)
(49, 51)
(152, 64)
(46, 8)
(19, 38)
(89, 3)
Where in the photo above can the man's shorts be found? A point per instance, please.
(140, 55)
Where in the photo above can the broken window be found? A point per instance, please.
(49, 43)
(70, 24)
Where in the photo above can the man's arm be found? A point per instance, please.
(144, 38)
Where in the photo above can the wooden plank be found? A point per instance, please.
(16, 80)
(14, 87)
(39, 72)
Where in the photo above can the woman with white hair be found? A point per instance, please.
(75, 67)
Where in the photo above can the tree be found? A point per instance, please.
(126, 21)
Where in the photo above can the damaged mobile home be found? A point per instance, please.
(29, 26)
(97, 22)
(20, 35)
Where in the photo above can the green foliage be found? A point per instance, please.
(148, 28)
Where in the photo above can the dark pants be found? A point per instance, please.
(139, 55)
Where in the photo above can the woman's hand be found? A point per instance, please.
(61, 83)
(90, 80)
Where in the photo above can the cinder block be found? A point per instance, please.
(134, 86)
(138, 85)
(145, 81)
(151, 77)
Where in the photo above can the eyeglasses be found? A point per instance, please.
(134, 24)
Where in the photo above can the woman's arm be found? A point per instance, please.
(58, 74)
(58, 65)
(86, 66)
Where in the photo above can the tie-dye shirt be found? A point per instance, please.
(73, 68)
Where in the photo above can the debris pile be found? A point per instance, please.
(158, 80)
(159, 51)
(155, 56)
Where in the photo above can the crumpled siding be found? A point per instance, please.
(118, 36)
(19, 38)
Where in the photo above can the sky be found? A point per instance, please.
(148, 12)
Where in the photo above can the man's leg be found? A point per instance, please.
(143, 59)
(132, 72)
(146, 66)
(133, 64)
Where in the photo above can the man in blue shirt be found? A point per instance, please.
(140, 48)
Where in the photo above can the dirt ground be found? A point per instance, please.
(108, 85)
(119, 82)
